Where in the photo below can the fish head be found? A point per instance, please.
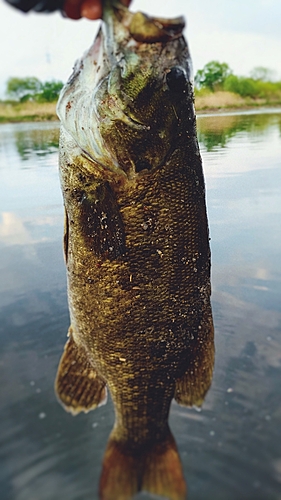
(124, 101)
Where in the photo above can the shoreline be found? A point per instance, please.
(238, 110)
(218, 103)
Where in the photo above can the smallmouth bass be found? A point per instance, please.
(136, 247)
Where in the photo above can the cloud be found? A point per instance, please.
(13, 231)
(237, 40)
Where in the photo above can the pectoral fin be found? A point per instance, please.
(192, 387)
(78, 386)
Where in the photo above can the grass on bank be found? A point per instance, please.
(27, 111)
(206, 100)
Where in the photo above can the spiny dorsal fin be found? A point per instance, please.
(78, 385)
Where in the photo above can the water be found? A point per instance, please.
(231, 449)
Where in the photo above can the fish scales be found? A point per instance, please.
(136, 247)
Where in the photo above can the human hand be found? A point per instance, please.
(91, 9)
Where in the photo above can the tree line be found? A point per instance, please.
(214, 76)
(219, 76)
(32, 89)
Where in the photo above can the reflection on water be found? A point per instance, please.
(231, 449)
(217, 130)
(37, 141)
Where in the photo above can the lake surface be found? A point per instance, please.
(232, 448)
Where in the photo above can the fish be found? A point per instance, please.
(136, 246)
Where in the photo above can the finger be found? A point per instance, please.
(72, 8)
(91, 9)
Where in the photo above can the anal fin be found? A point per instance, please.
(78, 386)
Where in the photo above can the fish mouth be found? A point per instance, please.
(146, 29)
(141, 27)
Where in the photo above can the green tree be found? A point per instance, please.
(246, 87)
(254, 88)
(49, 91)
(213, 75)
(23, 89)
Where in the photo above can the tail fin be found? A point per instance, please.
(157, 470)
(120, 473)
(163, 474)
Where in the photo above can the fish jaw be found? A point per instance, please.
(122, 103)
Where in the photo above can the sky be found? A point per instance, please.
(243, 33)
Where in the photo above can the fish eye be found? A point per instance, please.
(176, 79)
